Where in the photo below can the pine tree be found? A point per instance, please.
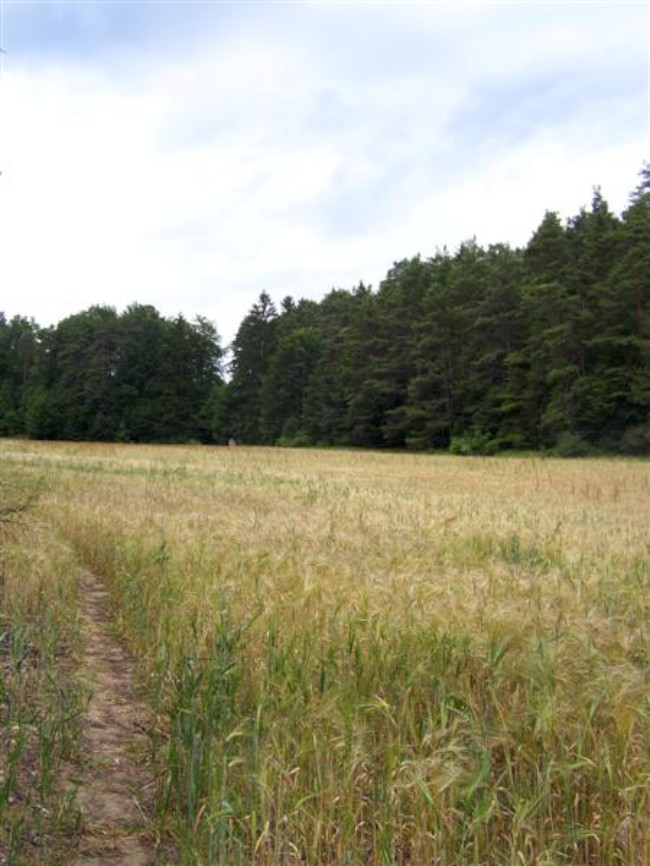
(252, 350)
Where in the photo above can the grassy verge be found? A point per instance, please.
(40, 704)
(362, 658)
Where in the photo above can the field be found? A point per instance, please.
(351, 658)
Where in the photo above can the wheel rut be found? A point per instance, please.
(115, 787)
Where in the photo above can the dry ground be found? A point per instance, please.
(114, 786)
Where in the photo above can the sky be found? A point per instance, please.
(191, 155)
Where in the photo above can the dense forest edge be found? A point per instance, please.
(546, 347)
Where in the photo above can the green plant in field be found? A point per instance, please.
(40, 705)
(474, 441)
(370, 658)
(572, 445)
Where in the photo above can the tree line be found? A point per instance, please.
(545, 347)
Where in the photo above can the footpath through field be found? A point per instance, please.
(115, 793)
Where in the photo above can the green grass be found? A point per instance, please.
(40, 701)
(365, 658)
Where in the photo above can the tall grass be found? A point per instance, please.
(364, 658)
(40, 702)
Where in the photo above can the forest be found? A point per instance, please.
(479, 350)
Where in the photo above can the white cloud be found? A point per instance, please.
(307, 149)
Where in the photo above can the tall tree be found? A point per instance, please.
(625, 330)
(286, 385)
(434, 406)
(139, 381)
(548, 359)
(252, 350)
(19, 366)
(400, 303)
(345, 321)
(86, 358)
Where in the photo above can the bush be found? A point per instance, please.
(293, 435)
(636, 440)
(473, 442)
(571, 445)
(42, 417)
(297, 440)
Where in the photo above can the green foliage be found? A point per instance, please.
(252, 350)
(572, 445)
(287, 381)
(293, 436)
(473, 442)
(543, 347)
(636, 440)
(40, 703)
(41, 414)
(103, 376)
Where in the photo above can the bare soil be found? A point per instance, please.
(115, 785)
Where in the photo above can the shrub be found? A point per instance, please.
(571, 445)
(473, 442)
(636, 440)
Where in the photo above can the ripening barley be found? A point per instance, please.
(375, 658)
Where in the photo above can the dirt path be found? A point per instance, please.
(115, 789)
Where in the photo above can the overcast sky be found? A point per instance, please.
(190, 155)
